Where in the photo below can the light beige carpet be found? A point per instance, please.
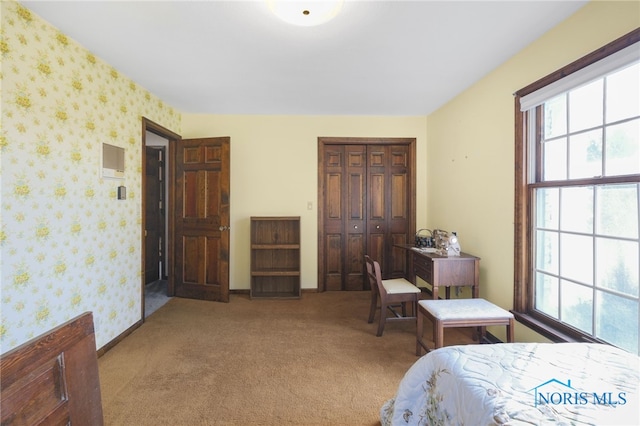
(313, 361)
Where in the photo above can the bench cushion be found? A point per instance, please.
(463, 309)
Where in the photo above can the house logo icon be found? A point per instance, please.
(556, 392)
(542, 392)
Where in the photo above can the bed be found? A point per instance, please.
(53, 379)
(519, 384)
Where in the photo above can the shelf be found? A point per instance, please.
(275, 257)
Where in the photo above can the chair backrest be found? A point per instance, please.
(374, 274)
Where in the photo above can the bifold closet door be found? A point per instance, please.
(365, 210)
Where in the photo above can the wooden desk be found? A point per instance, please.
(443, 271)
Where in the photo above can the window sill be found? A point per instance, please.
(551, 333)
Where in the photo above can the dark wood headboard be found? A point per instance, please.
(53, 379)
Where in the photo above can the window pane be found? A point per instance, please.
(623, 149)
(617, 210)
(547, 252)
(555, 159)
(620, 104)
(576, 307)
(547, 294)
(576, 209)
(585, 106)
(548, 208)
(617, 321)
(617, 265)
(576, 258)
(585, 155)
(555, 117)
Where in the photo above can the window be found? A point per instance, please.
(577, 225)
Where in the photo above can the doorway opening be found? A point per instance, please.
(156, 217)
(156, 229)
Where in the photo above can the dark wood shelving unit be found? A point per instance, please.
(275, 257)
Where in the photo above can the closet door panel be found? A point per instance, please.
(399, 210)
(356, 224)
(333, 219)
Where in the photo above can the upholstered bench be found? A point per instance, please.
(445, 313)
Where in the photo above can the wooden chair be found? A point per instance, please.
(393, 293)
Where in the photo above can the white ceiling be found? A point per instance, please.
(390, 57)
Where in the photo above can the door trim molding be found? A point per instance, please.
(322, 143)
(150, 126)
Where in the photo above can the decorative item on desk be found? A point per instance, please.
(422, 240)
(453, 249)
(440, 238)
(447, 244)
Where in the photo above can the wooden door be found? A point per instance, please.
(154, 215)
(201, 229)
(366, 205)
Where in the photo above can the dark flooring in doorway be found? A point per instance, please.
(155, 295)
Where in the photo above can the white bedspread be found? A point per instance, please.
(519, 384)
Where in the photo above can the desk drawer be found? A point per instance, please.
(426, 275)
(423, 268)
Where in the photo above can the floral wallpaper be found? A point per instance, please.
(67, 244)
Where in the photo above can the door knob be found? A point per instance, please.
(377, 226)
(355, 226)
(223, 228)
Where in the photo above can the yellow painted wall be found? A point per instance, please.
(67, 245)
(470, 142)
(274, 172)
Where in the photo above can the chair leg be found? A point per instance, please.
(374, 305)
(383, 318)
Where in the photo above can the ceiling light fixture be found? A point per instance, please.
(305, 13)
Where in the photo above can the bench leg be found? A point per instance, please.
(419, 332)
(438, 333)
(510, 333)
(482, 332)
